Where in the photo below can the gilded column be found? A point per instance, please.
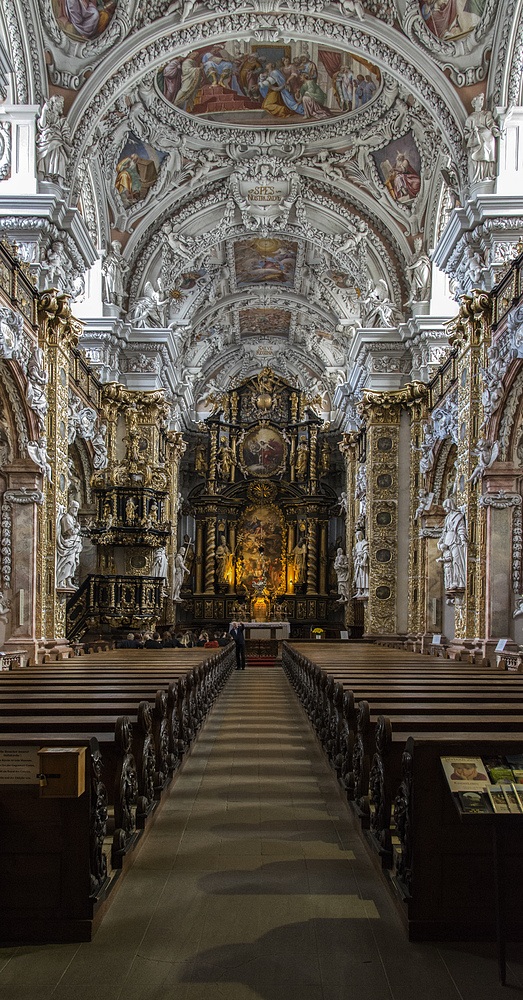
(199, 557)
(291, 542)
(234, 436)
(382, 413)
(313, 461)
(177, 447)
(312, 556)
(210, 548)
(348, 448)
(323, 558)
(417, 589)
(212, 459)
(58, 332)
(232, 546)
(470, 334)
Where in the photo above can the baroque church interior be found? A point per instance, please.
(261, 360)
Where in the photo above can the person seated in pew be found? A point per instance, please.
(167, 641)
(185, 641)
(213, 643)
(128, 643)
(154, 643)
(139, 640)
(202, 638)
(224, 639)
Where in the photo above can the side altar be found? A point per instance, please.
(264, 512)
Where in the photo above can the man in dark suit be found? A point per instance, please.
(237, 632)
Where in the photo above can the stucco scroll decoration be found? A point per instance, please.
(10, 497)
(265, 191)
(72, 58)
(500, 501)
(463, 56)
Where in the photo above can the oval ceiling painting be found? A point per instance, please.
(259, 83)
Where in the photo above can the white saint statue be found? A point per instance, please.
(452, 544)
(180, 570)
(360, 559)
(68, 545)
(341, 568)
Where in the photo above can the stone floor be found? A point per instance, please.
(254, 884)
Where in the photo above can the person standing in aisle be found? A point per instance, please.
(237, 632)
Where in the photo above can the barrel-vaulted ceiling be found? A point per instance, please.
(270, 168)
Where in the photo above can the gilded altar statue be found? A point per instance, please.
(226, 459)
(200, 460)
(325, 459)
(300, 561)
(302, 455)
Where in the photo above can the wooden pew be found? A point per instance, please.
(140, 717)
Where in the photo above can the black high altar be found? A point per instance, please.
(262, 510)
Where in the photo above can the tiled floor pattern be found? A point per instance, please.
(253, 885)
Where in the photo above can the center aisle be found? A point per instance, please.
(253, 884)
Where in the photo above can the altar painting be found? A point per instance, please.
(262, 82)
(264, 261)
(137, 170)
(264, 322)
(399, 167)
(83, 19)
(448, 19)
(262, 452)
(262, 541)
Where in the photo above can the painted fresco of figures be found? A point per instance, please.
(83, 19)
(452, 544)
(68, 545)
(448, 19)
(399, 166)
(137, 170)
(265, 81)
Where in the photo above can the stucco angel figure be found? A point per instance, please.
(37, 450)
(53, 144)
(360, 559)
(37, 378)
(424, 503)
(420, 274)
(518, 610)
(481, 133)
(341, 568)
(5, 606)
(452, 544)
(100, 447)
(151, 306)
(486, 453)
(68, 545)
(114, 268)
(180, 569)
(379, 308)
(352, 7)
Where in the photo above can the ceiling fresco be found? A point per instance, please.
(257, 83)
(259, 178)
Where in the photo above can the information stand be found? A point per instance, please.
(499, 823)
